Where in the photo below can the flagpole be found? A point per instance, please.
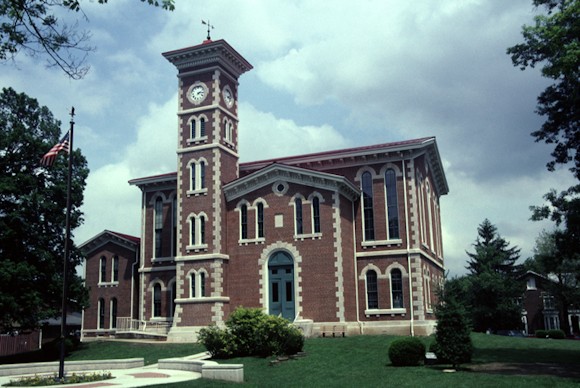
(66, 249)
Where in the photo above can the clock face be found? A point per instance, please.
(228, 97)
(197, 93)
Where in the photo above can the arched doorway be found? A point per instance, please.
(281, 285)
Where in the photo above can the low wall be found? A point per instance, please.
(208, 369)
(70, 366)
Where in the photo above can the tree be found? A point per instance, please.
(452, 335)
(32, 26)
(553, 42)
(33, 215)
(557, 253)
(494, 284)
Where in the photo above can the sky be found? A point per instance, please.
(327, 75)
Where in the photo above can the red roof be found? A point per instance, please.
(134, 239)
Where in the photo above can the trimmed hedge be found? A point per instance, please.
(407, 351)
(251, 332)
(553, 334)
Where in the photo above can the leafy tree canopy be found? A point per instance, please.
(554, 43)
(33, 214)
(33, 26)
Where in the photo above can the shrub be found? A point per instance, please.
(407, 351)
(541, 333)
(556, 334)
(251, 332)
(218, 342)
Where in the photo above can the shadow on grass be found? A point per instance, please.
(527, 355)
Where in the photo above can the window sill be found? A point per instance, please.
(392, 312)
(196, 192)
(376, 243)
(197, 140)
(196, 248)
(162, 259)
(229, 144)
(203, 299)
(246, 241)
(312, 236)
(429, 311)
(108, 284)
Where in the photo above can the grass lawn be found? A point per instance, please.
(362, 361)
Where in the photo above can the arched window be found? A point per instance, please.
(202, 174)
(113, 313)
(202, 284)
(103, 273)
(202, 230)
(397, 289)
(260, 219)
(197, 175)
(368, 212)
(192, 289)
(202, 127)
(197, 230)
(372, 290)
(192, 131)
(244, 222)
(316, 215)
(101, 318)
(298, 215)
(392, 204)
(115, 277)
(197, 128)
(173, 297)
(192, 231)
(157, 300)
(158, 225)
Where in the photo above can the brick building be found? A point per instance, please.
(348, 240)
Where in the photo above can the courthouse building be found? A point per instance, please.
(346, 241)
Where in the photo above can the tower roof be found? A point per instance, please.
(210, 52)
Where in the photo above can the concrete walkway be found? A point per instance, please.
(135, 377)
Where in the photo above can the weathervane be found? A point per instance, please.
(209, 26)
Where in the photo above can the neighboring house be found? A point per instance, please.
(348, 241)
(540, 308)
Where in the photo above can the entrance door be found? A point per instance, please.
(281, 285)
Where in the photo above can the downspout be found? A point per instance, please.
(360, 325)
(408, 250)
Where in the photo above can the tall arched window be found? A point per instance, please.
(115, 277)
(192, 289)
(392, 204)
(157, 300)
(316, 215)
(372, 290)
(397, 288)
(202, 284)
(173, 297)
(158, 225)
(244, 222)
(202, 174)
(298, 215)
(174, 226)
(103, 273)
(260, 219)
(202, 127)
(368, 212)
(202, 230)
(101, 318)
(113, 313)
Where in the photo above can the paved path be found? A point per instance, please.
(136, 377)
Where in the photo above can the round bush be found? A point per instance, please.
(220, 343)
(541, 333)
(407, 351)
(556, 334)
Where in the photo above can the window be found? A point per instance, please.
(368, 212)
(392, 204)
(197, 128)
(531, 284)
(548, 300)
(173, 297)
(316, 215)
(101, 319)
(244, 222)
(158, 225)
(114, 313)
(157, 300)
(197, 230)
(202, 284)
(429, 215)
(197, 175)
(260, 220)
(174, 226)
(372, 290)
(115, 277)
(192, 290)
(397, 289)
(298, 218)
(103, 273)
(228, 131)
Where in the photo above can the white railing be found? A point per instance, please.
(128, 324)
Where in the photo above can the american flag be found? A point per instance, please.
(49, 158)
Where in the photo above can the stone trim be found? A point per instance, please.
(338, 263)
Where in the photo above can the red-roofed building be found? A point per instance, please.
(347, 241)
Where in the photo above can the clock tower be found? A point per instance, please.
(207, 158)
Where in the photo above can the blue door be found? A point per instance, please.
(281, 285)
